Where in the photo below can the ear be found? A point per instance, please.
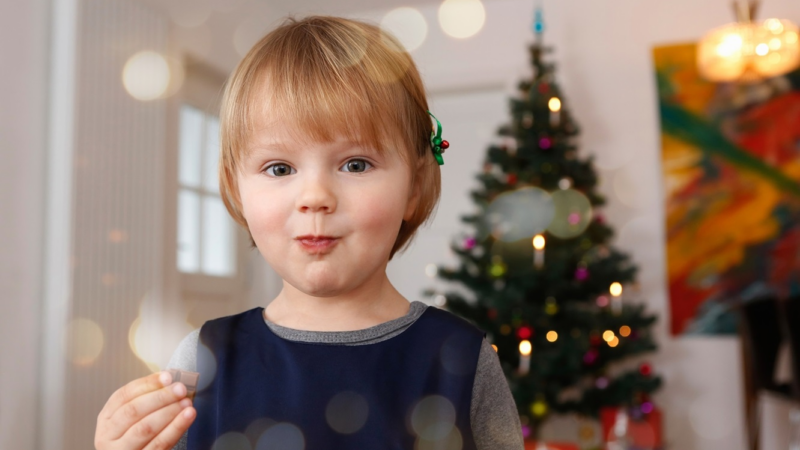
(413, 199)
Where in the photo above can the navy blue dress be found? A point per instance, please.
(260, 391)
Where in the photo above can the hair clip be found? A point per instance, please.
(437, 144)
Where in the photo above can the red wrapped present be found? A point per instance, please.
(531, 445)
(644, 433)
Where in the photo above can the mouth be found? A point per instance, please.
(317, 244)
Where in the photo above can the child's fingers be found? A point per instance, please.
(145, 430)
(173, 432)
(134, 389)
(142, 406)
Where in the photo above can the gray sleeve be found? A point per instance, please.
(185, 358)
(493, 413)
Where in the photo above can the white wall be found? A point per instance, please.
(23, 90)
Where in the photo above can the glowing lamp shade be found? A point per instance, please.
(749, 51)
(146, 75)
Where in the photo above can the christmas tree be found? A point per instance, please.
(547, 283)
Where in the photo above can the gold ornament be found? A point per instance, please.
(539, 408)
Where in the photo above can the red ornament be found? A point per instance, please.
(445, 145)
(595, 340)
(492, 313)
(543, 88)
(524, 332)
(512, 178)
(645, 369)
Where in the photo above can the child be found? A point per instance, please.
(329, 162)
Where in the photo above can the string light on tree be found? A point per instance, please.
(538, 251)
(525, 349)
(555, 111)
(616, 297)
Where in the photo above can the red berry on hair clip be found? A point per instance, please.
(437, 144)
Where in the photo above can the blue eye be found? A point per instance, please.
(354, 166)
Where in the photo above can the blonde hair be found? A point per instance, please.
(336, 77)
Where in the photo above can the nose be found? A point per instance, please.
(318, 194)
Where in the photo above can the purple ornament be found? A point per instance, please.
(581, 273)
(601, 383)
(469, 243)
(636, 414)
(647, 407)
(545, 143)
(590, 356)
(526, 431)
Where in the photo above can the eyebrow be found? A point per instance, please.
(256, 150)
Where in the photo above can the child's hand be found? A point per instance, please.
(144, 414)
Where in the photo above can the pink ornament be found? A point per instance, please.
(574, 218)
(581, 273)
(647, 407)
(590, 357)
(601, 383)
(469, 243)
(526, 431)
(602, 301)
(545, 143)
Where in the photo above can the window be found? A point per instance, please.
(206, 233)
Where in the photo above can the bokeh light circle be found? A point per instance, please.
(232, 441)
(208, 368)
(85, 341)
(408, 25)
(461, 18)
(433, 418)
(453, 441)
(519, 214)
(146, 75)
(454, 357)
(282, 436)
(573, 212)
(347, 412)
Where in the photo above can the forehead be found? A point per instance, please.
(283, 120)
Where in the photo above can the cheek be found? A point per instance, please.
(264, 217)
(380, 213)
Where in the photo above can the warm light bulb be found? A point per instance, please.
(608, 336)
(615, 289)
(554, 104)
(614, 342)
(552, 336)
(494, 347)
(525, 347)
(625, 331)
(538, 242)
(762, 49)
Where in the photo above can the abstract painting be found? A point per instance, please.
(731, 165)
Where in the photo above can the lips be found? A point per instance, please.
(317, 244)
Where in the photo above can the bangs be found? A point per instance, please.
(329, 84)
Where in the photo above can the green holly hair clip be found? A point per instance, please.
(438, 145)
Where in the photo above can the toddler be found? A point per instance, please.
(328, 161)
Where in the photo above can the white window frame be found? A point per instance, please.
(201, 88)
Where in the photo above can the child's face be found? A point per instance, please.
(291, 189)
